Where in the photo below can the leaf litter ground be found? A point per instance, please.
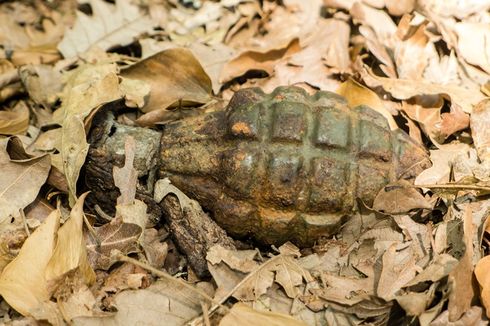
(418, 256)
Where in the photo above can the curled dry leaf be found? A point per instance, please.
(70, 253)
(257, 60)
(175, 77)
(473, 43)
(14, 121)
(21, 176)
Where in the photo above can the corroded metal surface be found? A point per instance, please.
(286, 166)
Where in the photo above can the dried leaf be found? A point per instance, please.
(42, 82)
(14, 121)
(22, 282)
(70, 252)
(357, 94)
(175, 77)
(257, 60)
(88, 88)
(115, 235)
(400, 198)
(162, 301)
(403, 89)
(125, 178)
(21, 176)
(460, 278)
(480, 120)
(241, 314)
(473, 43)
(109, 25)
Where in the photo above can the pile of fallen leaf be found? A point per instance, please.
(416, 256)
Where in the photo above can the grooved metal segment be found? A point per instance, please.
(286, 165)
(296, 152)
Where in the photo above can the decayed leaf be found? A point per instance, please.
(283, 269)
(443, 161)
(480, 120)
(460, 278)
(400, 198)
(175, 77)
(22, 282)
(115, 235)
(440, 267)
(125, 178)
(21, 176)
(241, 314)
(108, 26)
(398, 268)
(70, 252)
(162, 302)
(14, 121)
(42, 82)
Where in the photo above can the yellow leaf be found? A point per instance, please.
(482, 274)
(22, 282)
(241, 314)
(70, 252)
(15, 121)
(357, 94)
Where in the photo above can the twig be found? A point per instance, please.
(453, 186)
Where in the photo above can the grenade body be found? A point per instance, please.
(286, 166)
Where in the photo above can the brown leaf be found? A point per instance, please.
(14, 121)
(257, 60)
(472, 43)
(115, 235)
(70, 253)
(403, 89)
(175, 77)
(480, 132)
(22, 282)
(108, 26)
(399, 198)
(21, 176)
(242, 315)
(357, 94)
(164, 301)
(483, 278)
(461, 277)
(125, 178)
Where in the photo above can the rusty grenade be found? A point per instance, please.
(286, 166)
